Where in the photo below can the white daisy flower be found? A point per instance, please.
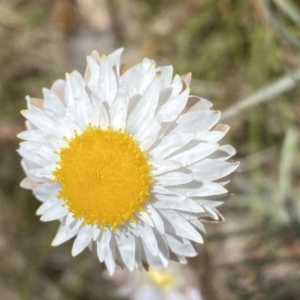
(178, 282)
(123, 165)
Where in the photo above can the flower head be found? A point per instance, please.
(128, 163)
(177, 282)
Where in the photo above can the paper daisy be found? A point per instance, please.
(178, 282)
(123, 164)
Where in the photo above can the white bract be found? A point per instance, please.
(128, 162)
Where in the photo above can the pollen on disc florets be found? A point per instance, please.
(104, 176)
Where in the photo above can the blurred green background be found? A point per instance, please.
(234, 49)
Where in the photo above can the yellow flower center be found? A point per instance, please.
(161, 278)
(104, 176)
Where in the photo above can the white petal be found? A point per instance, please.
(157, 220)
(28, 165)
(180, 246)
(197, 120)
(29, 184)
(46, 190)
(164, 253)
(144, 216)
(83, 238)
(148, 142)
(179, 258)
(150, 258)
(200, 189)
(139, 77)
(197, 103)
(95, 55)
(69, 97)
(55, 212)
(126, 244)
(195, 154)
(58, 88)
(55, 142)
(173, 202)
(138, 254)
(162, 166)
(114, 59)
(29, 125)
(177, 84)
(148, 237)
(118, 114)
(110, 258)
(133, 99)
(164, 260)
(144, 110)
(52, 102)
(173, 178)
(64, 126)
(211, 169)
(41, 121)
(45, 206)
(41, 150)
(148, 128)
(118, 109)
(107, 85)
(32, 135)
(212, 201)
(209, 136)
(164, 96)
(223, 153)
(96, 232)
(166, 74)
(174, 107)
(69, 219)
(209, 201)
(76, 224)
(103, 244)
(103, 115)
(64, 234)
(212, 213)
(79, 82)
(95, 115)
(171, 143)
(158, 189)
(199, 226)
(92, 74)
(180, 226)
(82, 103)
